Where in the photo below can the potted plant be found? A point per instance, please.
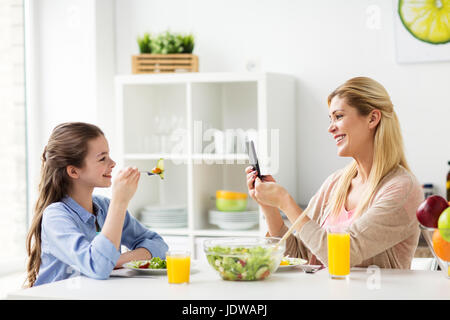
(164, 53)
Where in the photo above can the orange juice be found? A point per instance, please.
(338, 254)
(178, 267)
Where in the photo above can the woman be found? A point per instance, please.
(375, 196)
(73, 231)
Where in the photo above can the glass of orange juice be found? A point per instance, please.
(338, 252)
(178, 266)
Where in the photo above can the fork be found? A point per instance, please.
(309, 268)
(148, 173)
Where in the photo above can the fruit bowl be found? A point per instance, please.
(244, 259)
(429, 234)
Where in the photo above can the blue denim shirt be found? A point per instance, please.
(71, 245)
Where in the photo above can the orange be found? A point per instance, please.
(156, 170)
(440, 246)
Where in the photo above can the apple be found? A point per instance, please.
(444, 224)
(429, 211)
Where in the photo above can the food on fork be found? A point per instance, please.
(159, 169)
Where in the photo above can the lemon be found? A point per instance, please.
(426, 20)
(284, 262)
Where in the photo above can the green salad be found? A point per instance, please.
(153, 263)
(255, 263)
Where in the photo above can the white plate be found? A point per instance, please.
(165, 225)
(165, 208)
(129, 265)
(295, 263)
(163, 220)
(235, 225)
(233, 213)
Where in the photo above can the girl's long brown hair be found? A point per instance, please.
(67, 145)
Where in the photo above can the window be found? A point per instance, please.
(13, 173)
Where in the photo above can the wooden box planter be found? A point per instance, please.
(164, 63)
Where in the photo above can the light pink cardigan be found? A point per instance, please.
(386, 234)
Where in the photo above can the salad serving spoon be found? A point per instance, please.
(291, 229)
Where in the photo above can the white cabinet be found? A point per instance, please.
(180, 117)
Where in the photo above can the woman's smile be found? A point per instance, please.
(338, 138)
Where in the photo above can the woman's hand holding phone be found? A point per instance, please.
(272, 214)
(251, 177)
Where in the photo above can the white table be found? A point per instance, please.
(205, 284)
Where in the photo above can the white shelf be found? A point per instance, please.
(172, 232)
(212, 232)
(198, 156)
(150, 109)
(196, 77)
(154, 156)
(254, 232)
(226, 157)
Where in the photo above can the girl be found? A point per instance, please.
(376, 196)
(74, 231)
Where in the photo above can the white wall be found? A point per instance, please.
(322, 43)
(70, 70)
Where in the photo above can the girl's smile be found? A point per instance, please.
(98, 165)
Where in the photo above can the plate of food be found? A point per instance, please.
(155, 265)
(289, 263)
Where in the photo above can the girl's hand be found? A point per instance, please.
(269, 193)
(125, 184)
(136, 254)
(251, 176)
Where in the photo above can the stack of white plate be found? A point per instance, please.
(236, 220)
(164, 216)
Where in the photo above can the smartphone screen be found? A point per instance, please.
(253, 159)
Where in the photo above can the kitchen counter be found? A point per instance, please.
(288, 284)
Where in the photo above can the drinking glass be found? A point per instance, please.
(338, 252)
(178, 266)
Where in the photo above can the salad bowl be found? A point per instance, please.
(244, 259)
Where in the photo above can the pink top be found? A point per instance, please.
(386, 233)
(344, 219)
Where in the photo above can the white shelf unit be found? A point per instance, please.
(262, 103)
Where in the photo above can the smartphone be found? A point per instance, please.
(253, 159)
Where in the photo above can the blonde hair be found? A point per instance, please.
(366, 95)
(67, 145)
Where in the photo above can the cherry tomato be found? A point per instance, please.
(156, 170)
(242, 262)
(144, 266)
